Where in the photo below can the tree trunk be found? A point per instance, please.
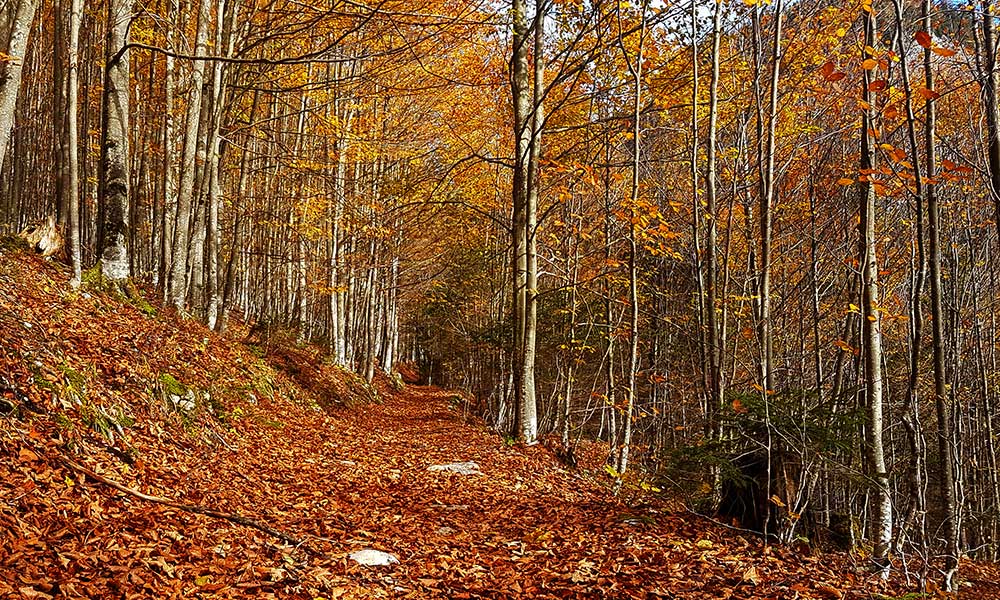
(185, 194)
(942, 402)
(115, 178)
(872, 330)
(72, 142)
(635, 69)
(715, 345)
(11, 68)
(526, 118)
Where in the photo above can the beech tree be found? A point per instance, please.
(115, 157)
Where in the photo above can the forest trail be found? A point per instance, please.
(279, 445)
(524, 528)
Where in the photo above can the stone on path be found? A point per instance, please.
(462, 468)
(373, 558)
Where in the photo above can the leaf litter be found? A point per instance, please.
(340, 480)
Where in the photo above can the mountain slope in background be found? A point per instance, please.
(142, 457)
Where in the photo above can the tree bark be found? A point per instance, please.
(115, 180)
(72, 141)
(185, 194)
(10, 76)
(635, 69)
(527, 111)
(872, 329)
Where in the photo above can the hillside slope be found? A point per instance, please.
(105, 474)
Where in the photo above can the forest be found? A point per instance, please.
(747, 246)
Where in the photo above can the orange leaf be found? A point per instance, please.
(869, 64)
(827, 69)
(878, 85)
(928, 94)
(837, 76)
(845, 181)
(946, 52)
(829, 591)
(923, 38)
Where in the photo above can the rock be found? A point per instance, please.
(445, 531)
(462, 468)
(373, 558)
(185, 403)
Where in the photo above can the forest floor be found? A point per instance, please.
(83, 406)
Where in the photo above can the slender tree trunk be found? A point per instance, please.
(715, 344)
(635, 69)
(911, 420)
(768, 186)
(11, 68)
(169, 198)
(223, 37)
(185, 195)
(73, 142)
(526, 118)
(989, 88)
(942, 401)
(872, 329)
(115, 178)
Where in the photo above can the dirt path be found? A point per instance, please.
(526, 527)
(354, 479)
(357, 479)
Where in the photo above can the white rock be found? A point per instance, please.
(462, 468)
(373, 558)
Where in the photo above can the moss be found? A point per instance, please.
(170, 385)
(13, 243)
(137, 300)
(92, 279)
(125, 291)
(75, 381)
(64, 422)
(262, 384)
(396, 381)
(39, 380)
(105, 421)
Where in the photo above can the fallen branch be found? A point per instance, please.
(191, 508)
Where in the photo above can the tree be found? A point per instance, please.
(12, 67)
(72, 141)
(115, 157)
(871, 310)
(526, 85)
(185, 194)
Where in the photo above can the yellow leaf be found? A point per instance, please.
(845, 181)
(751, 576)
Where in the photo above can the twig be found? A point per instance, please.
(200, 510)
(733, 527)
